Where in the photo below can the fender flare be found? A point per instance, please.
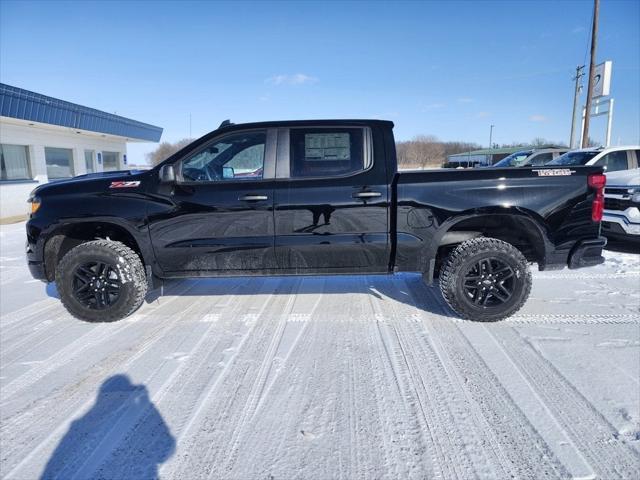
(140, 236)
(542, 242)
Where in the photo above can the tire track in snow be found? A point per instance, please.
(462, 454)
(304, 409)
(527, 453)
(287, 349)
(43, 327)
(226, 394)
(255, 394)
(125, 425)
(60, 396)
(100, 370)
(36, 310)
(96, 334)
(573, 319)
(321, 417)
(584, 276)
(182, 397)
(609, 456)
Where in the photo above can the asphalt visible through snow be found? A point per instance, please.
(322, 377)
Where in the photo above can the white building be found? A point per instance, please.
(44, 139)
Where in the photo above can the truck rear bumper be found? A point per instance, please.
(587, 253)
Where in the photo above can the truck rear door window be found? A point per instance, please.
(324, 152)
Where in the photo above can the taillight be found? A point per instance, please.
(597, 181)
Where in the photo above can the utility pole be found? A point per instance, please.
(190, 136)
(491, 136)
(576, 94)
(592, 66)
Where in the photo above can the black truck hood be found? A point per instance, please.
(88, 182)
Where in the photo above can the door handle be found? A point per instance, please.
(253, 198)
(366, 195)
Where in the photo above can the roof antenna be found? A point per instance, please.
(226, 123)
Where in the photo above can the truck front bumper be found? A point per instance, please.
(625, 222)
(37, 271)
(587, 253)
(34, 252)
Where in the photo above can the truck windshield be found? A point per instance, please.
(574, 158)
(514, 160)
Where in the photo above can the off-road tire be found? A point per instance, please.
(133, 286)
(463, 258)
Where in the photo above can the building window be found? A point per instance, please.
(109, 161)
(88, 161)
(14, 162)
(59, 162)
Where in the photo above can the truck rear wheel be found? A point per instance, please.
(485, 279)
(101, 281)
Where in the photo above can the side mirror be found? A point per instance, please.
(228, 172)
(167, 174)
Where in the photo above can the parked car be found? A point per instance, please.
(323, 197)
(611, 159)
(531, 157)
(621, 220)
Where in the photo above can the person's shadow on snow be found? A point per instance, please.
(122, 436)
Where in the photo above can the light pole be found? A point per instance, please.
(576, 94)
(491, 136)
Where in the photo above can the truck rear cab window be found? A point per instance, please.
(327, 152)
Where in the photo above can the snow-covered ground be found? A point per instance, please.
(322, 377)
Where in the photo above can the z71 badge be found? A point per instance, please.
(554, 172)
(130, 184)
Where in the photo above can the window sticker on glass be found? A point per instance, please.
(327, 147)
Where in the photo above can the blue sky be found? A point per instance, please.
(448, 69)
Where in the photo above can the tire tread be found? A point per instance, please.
(468, 248)
(119, 249)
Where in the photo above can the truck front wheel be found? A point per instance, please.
(101, 281)
(485, 279)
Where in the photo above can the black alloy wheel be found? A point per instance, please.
(490, 282)
(101, 281)
(96, 285)
(485, 279)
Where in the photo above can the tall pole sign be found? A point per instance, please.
(592, 67)
(602, 103)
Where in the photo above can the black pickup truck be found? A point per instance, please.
(309, 198)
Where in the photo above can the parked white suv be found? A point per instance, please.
(613, 159)
(621, 218)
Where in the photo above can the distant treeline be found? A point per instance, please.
(427, 151)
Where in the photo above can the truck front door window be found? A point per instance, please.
(235, 157)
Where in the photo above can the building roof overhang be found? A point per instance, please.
(33, 107)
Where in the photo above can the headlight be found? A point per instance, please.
(35, 203)
(635, 198)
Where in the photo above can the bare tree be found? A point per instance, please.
(166, 149)
(539, 142)
(427, 151)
